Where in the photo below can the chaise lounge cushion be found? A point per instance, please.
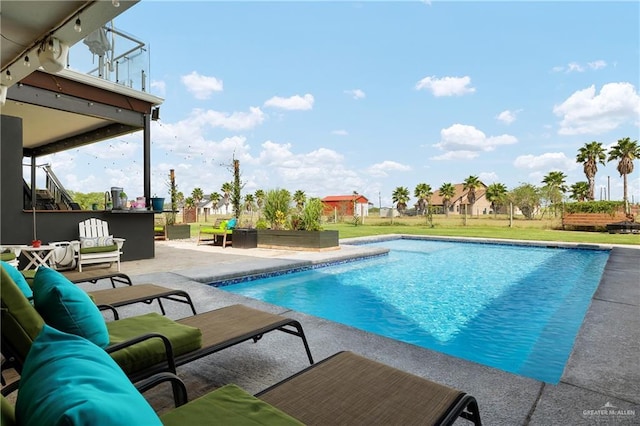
(67, 307)
(228, 405)
(183, 339)
(20, 321)
(19, 279)
(67, 380)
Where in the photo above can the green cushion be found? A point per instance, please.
(20, 322)
(19, 279)
(67, 380)
(229, 405)
(28, 274)
(183, 339)
(102, 249)
(7, 256)
(67, 307)
(8, 417)
(212, 230)
(158, 228)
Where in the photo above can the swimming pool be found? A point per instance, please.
(516, 308)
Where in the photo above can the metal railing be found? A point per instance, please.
(113, 55)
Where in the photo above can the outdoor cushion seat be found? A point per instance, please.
(183, 339)
(228, 405)
(101, 249)
(7, 256)
(209, 233)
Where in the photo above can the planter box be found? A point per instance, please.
(298, 240)
(245, 238)
(178, 232)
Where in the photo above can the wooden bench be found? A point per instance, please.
(592, 220)
(210, 233)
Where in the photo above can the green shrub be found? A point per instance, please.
(609, 207)
(276, 207)
(311, 214)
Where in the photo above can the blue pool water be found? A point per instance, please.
(516, 308)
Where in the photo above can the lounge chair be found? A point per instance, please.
(221, 228)
(127, 294)
(344, 389)
(184, 340)
(10, 254)
(96, 244)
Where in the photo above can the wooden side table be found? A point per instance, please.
(38, 256)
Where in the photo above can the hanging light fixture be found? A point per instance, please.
(8, 76)
(26, 62)
(78, 25)
(115, 3)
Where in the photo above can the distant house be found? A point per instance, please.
(345, 205)
(207, 208)
(459, 201)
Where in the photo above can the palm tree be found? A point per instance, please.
(227, 189)
(215, 199)
(400, 196)
(259, 194)
(496, 194)
(423, 193)
(590, 155)
(625, 151)
(299, 197)
(249, 204)
(447, 191)
(554, 188)
(470, 184)
(197, 196)
(580, 191)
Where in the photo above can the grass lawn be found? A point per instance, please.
(483, 227)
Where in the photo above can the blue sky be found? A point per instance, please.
(336, 97)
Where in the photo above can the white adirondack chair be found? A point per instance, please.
(94, 233)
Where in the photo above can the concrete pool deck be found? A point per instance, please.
(603, 370)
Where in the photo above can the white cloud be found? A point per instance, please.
(574, 67)
(596, 65)
(356, 93)
(586, 112)
(296, 102)
(340, 132)
(281, 166)
(456, 155)
(546, 161)
(507, 116)
(159, 86)
(577, 67)
(464, 142)
(200, 86)
(446, 86)
(383, 169)
(488, 177)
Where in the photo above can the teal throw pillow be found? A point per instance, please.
(231, 223)
(67, 380)
(67, 307)
(19, 279)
